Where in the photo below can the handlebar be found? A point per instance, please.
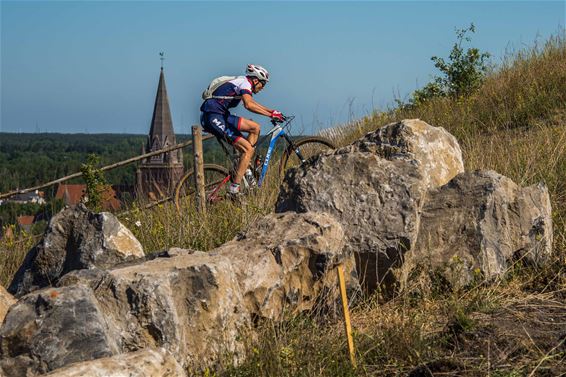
(286, 120)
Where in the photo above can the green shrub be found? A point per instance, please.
(461, 75)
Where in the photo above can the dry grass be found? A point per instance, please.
(12, 253)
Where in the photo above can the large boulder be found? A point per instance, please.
(144, 363)
(199, 306)
(6, 300)
(375, 200)
(436, 151)
(375, 188)
(75, 239)
(282, 263)
(478, 224)
(51, 328)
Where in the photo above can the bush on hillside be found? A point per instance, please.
(461, 75)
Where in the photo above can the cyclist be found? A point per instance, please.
(217, 120)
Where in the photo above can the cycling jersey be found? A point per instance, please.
(237, 87)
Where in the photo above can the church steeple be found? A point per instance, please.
(161, 134)
(159, 174)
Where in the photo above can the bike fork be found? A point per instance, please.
(295, 149)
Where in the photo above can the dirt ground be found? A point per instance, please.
(525, 338)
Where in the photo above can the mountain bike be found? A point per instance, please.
(217, 177)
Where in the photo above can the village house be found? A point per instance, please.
(36, 196)
(25, 222)
(72, 194)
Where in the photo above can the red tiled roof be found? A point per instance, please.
(25, 220)
(72, 194)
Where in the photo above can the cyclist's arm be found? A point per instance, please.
(255, 107)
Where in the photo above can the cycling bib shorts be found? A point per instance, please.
(222, 126)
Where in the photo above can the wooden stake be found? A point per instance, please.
(346, 312)
(199, 169)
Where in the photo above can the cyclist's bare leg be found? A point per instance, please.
(253, 128)
(247, 152)
(245, 146)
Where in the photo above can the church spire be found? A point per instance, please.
(159, 174)
(161, 134)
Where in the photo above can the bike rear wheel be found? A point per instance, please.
(216, 184)
(307, 147)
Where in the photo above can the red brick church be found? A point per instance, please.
(157, 176)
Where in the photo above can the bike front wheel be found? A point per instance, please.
(304, 149)
(216, 184)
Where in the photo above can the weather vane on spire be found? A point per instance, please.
(161, 58)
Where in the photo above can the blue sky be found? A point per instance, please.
(93, 66)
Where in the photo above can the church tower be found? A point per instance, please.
(157, 176)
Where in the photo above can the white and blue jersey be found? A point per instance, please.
(237, 87)
(216, 118)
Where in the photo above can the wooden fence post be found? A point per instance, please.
(199, 169)
(346, 312)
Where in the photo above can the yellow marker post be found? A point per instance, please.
(346, 312)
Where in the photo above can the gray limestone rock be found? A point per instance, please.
(51, 328)
(435, 151)
(375, 200)
(144, 363)
(75, 239)
(282, 264)
(6, 300)
(375, 188)
(478, 224)
(199, 306)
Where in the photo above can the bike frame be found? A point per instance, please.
(276, 132)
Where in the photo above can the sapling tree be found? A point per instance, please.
(461, 75)
(96, 184)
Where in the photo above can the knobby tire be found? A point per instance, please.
(185, 190)
(312, 145)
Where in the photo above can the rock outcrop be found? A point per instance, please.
(375, 188)
(395, 194)
(199, 306)
(478, 224)
(51, 328)
(145, 363)
(6, 300)
(375, 200)
(75, 239)
(435, 151)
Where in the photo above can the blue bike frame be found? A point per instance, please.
(276, 132)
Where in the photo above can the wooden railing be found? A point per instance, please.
(197, 150)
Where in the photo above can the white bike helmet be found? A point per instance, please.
(258, 71)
